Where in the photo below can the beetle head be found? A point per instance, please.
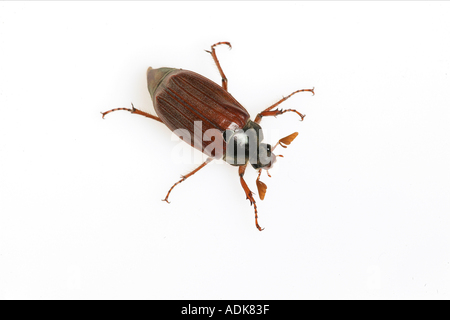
(265, 158)
(260, 153)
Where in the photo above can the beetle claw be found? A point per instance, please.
(165, 200)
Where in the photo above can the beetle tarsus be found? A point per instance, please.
(133, 110)
(253, 202)
(222, 42)
(256, 219)
(112, 110)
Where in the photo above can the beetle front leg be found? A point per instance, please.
(133, 110)
(214, 56)
(270, 112)
(249, 194)
(185, 177)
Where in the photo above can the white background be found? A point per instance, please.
(358, 208)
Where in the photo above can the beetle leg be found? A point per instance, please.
(249, 194)
(268, 112)
(277, 112)
(214, 56)
(133, 110)
(185, 177)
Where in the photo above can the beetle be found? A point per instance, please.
(195, 107)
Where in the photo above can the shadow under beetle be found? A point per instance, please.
(184, 99)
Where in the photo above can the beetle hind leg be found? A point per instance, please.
(132, 110)
(214, 56)
(185, 177)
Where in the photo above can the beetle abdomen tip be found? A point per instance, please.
(155, 76)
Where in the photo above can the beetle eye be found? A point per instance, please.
(269, 149)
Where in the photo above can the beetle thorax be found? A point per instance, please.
(244, 145)
(241, 138)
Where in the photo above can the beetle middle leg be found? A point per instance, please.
(269, 112)
(249, 194)
(185, 177)
(214, 56)
(133, 110)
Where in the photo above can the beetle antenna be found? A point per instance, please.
(273, 148)
(261, 186)
(284, 142)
